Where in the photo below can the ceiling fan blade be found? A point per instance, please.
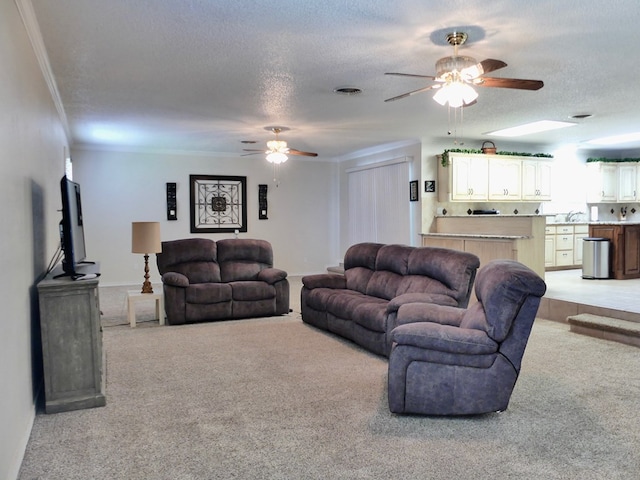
(411, 75)
(518, 83)
(491, 65)
(293, 151)
(253, 150)
(253, 153)
(408, 94)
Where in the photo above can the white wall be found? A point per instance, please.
(121, 187)
(33, 142)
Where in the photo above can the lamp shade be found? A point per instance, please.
(145, 237)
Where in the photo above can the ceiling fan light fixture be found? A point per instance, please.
(456, 94)
(277, 157)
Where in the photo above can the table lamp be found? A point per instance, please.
(145, 238)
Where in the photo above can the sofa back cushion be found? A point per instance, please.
(391, 267)
(242, 259)
(502, 286)
(452, 272)
(195, 258)
(359, 265)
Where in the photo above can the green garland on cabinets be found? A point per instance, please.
(612, 160)
(445, 154)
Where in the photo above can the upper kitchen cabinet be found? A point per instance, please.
(469, 179)
(536, 180)
(481, 178)
(505, 179)
(613, 181)
(627, 182)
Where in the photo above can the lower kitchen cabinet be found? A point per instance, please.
(563, 245)
(625, 247)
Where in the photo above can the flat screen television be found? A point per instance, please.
(72, 228)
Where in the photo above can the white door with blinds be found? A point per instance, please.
(379, 209)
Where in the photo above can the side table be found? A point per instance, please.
(135, 296)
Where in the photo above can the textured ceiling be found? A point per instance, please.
(204, 75)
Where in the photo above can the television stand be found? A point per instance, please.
(72, 354)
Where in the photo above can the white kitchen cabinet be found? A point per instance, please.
(505, 179)
(469, 178)
(481, 178)
(550, 246)
(536, 180)
(627, 182)
(563, 245)
(580, 232)
(603, 182)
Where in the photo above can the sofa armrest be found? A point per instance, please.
(444, 338)
(324, 280)
(175, 279)
(429, 312)
(271, 275)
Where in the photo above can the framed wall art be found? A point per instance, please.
(218, 203)
(413, 190)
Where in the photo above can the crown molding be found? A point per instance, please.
(25, 8)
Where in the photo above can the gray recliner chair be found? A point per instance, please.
(448, 361)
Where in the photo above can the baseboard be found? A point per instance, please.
(21, 447)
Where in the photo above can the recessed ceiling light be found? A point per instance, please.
(529, 128)
(348, 90)
(616, 139)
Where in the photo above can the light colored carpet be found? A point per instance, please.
(274, 398)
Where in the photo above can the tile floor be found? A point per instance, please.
(569, 286)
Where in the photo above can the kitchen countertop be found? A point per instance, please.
(476, 235)
(499, 215)
(614, 222)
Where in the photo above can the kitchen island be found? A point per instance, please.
(491, 237)
(625, 247)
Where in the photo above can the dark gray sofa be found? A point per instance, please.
(362, 304)
(205, 280)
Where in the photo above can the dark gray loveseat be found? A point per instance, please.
(231, 278)
(362, 304)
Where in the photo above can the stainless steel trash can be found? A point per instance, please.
(595, 258)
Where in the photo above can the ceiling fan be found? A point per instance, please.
(457, 74)
(277, 150)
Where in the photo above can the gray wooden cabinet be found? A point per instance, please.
(71, 343)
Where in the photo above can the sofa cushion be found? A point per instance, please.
(250, 290)
(394, 258)
(362, 255)
(421, 284)
(203, 293)
(444, 265)
(357, 278)
(243, 259)
(195, 258)
(343, 306)
(502, 291)
(372, 315)
(318, 297)
(384, 284)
